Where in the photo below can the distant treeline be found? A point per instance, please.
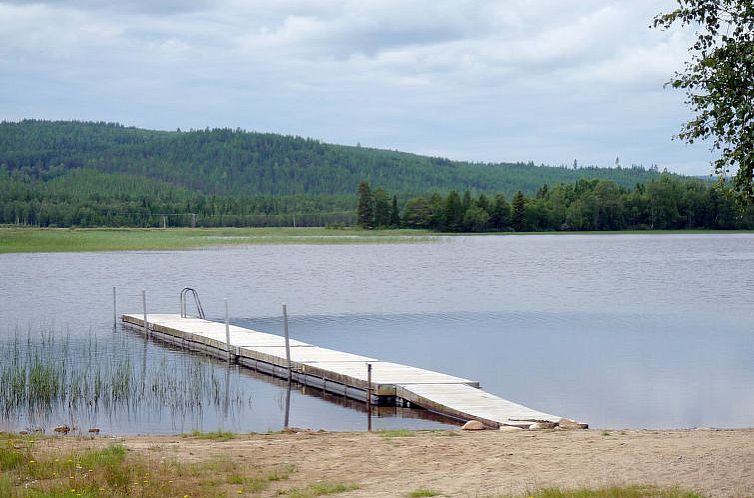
(237, 163)
(89, 198)
(63, 173)
(664, 204)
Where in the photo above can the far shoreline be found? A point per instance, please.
(25, 239)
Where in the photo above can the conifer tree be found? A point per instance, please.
(500, 215)
(381, 208)
(519, 212)
(454, 212)
(365, 211)
(395, 215)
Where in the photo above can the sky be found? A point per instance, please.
(547, 81)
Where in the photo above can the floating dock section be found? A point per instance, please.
(342, 373)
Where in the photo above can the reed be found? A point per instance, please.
(47, 372)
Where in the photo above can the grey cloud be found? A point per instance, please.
(132, 6)
(508, 80)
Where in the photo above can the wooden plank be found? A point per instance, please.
(342, 372)
(307, 354)
(466, 403)
(384, 372)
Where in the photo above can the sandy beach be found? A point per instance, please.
(464, 463)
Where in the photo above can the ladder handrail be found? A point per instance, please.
(199, 308)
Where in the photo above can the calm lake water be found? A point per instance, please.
(640, 331)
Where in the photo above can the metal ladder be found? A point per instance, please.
(199, 309)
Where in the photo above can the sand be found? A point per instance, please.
(485, 463)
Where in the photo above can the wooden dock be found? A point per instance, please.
(343, 373)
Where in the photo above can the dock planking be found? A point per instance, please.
(342, 373)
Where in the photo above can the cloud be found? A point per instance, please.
(508, 80)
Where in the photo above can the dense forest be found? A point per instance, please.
(666, 203)
(64, 173)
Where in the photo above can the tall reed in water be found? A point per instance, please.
(49, 372)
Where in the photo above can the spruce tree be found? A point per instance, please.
(365, 211)
(453, 212)
(381, 208)
(395, 215)
(519, 212)
(500, 215)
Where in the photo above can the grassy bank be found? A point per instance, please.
(14, 239)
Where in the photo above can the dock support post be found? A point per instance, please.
(369, 397)
(227, 331)
(287, 341)
(115, 314)
(286, 422)
(144, 305)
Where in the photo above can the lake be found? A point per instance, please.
(620, 331)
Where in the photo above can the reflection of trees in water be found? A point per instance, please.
(47, 377)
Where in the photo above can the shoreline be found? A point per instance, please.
(713, 462)
(14, 239)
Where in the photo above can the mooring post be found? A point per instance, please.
(287, 406)
(287, 341)
(144, 305)
(115, 314)
(369, 397)
(227, 331)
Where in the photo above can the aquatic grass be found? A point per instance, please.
(15, 239)
(45, 375)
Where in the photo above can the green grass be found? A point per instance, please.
(6, 485)
(319, 489)
(9, 459)
(13, 239)
(213, 435)
(418, 493)
(616, 492)
(50, 471)
(388, 433)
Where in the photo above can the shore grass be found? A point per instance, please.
(14, 239)
(27, 239)
(213, 435)
(33, 469)
(615, 492)
(391, 433)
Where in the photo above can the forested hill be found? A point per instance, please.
(226, 162)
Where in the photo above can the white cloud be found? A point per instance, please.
(478, 80)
